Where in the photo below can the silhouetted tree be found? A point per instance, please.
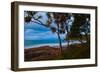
(73, 24)
(86, 28)
(69, 23)
(81, 25)
(58, 18)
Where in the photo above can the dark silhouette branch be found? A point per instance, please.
(39, 22)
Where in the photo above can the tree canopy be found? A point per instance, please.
(71, 24)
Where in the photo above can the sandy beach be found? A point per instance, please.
(41, 53)
(74, 51)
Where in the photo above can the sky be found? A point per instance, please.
(33, 31)
(38, 34)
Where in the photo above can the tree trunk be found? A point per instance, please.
(60, 43)
(86, 37)
(81, 38)
(67, 35)
(68, 38)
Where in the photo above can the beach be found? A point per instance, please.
(41, 53)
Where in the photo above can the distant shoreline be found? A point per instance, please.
(54, 44)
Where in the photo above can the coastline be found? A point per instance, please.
(54, 44)
(74, 51)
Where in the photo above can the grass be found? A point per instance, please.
(76, 51)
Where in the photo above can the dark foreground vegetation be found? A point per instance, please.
(75, 51)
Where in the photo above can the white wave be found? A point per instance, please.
(55, 44)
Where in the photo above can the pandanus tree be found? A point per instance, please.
(69, 24)
(81, 26)
(64, 24)
(75, 30)
(85, 28)
(59, 19)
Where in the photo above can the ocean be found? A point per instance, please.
(37, 43)
(38, 35)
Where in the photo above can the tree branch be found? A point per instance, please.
(39, 22)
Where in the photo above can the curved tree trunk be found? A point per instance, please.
(67, 35)
(60, 43)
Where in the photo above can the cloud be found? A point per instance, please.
(33, 31)
(44, 16)
(35, 26)
(30, 34)
(37, 35)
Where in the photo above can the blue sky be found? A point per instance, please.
(34, 31)
(36, 34)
